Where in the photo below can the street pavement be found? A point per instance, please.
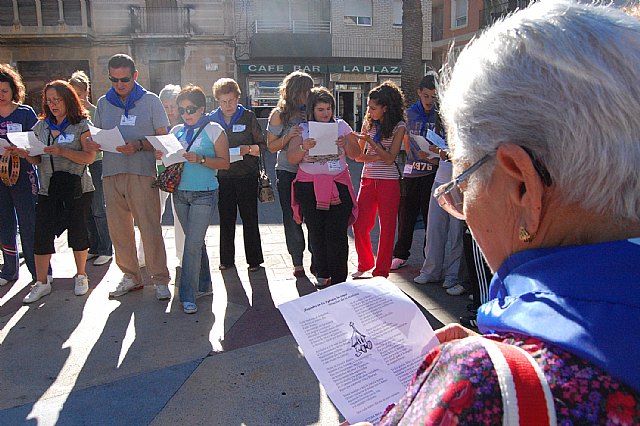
(72, 360)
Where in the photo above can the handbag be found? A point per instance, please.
(169, 179)
(265, 191)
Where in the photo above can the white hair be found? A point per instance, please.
(561, 80)
(169, 92)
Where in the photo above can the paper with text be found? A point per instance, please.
(3, 145)
(326, 135)
(424, 145)
(172, 149)
(364, 340)
(28, 141)
(108, 139)
(437, 140)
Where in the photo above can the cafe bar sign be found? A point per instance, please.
(319, 69)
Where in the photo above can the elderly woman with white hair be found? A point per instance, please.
(542, 112)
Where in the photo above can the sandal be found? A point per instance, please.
(189, 307)
(299, 273)
(224, 267)
(254, 268)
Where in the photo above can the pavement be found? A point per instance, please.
(70, 360)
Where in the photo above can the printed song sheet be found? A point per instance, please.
(172, 150)
(424, 145)
(28, 141)
(108, 139)
(364, 340)
(437, 140)
(326, 135)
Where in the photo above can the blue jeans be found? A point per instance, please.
(99, 239)
(293, 234)
(18, 206)
(194, 209)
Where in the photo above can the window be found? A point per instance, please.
(459, 12)
(397, 13)
(357, 12)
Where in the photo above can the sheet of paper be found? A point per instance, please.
(108, 139)
(437, 140)
(3, 144)
(364, 340)
(28, 141)
(170, 146)
(326, 135)
(424, 145)
(234, 154)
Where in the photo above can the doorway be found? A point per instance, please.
(350, 106)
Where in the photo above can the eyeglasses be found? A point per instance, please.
(123, 79)
(191, 109)
(54, 101)
(451, 198)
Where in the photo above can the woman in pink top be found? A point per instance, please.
(381, 138)
(322, 190)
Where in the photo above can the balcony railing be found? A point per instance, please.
(160, 20)
(299, 27)
(491, 14)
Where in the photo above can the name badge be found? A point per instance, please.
(334, 165)
(67, 138)
(128, 121)
(407, 169)
(14, 127)
(238, 128)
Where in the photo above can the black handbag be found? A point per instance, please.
(265, 191)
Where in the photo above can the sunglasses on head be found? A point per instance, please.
(191, 109)
(123, 79)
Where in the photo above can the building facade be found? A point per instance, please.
(171, 41)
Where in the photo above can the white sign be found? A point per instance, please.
(364, 340)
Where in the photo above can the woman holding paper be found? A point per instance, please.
(238, 184)
(197, 194)
(282, 128)
(381, 138)
(66, 188)
(322, 189)
(555, 210)
(18, 181)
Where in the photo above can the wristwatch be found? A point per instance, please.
(202, 159)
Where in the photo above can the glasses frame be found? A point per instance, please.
(118, 80)
(191, 109)
(54, 101)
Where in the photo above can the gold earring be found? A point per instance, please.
(525, 236)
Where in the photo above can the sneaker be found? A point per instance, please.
(189, 308)
(397, 263)
(38, 291)
(82, 285)
(469, 321)
(448, 284)
(125, 285)
(3, 282)
(456, 290)
(101, 260)
(203, 294)
(162, 292)
(361, 275)
(49, 279)
(423, 279)
(91, 255)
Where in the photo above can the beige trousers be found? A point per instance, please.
(130, 197)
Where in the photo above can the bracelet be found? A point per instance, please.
(302, 148)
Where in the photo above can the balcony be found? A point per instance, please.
(290, 39)
(160, 22)
(499, 10)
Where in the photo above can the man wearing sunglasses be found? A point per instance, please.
(128, 175)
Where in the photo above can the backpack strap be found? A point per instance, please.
(526, 396)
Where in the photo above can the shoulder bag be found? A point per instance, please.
(265, 191)
(169, 179)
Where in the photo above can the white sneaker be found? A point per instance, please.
(101, 260)
(162, 292)
(125, 285)
(49, 279)
(397, 263)
(3, 282)
(456, 290)
(448, 284)
(38, 291)
(361, 275)
(423, 279)
(82, 285)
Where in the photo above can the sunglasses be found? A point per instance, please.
(123, 79)
(191, 109)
